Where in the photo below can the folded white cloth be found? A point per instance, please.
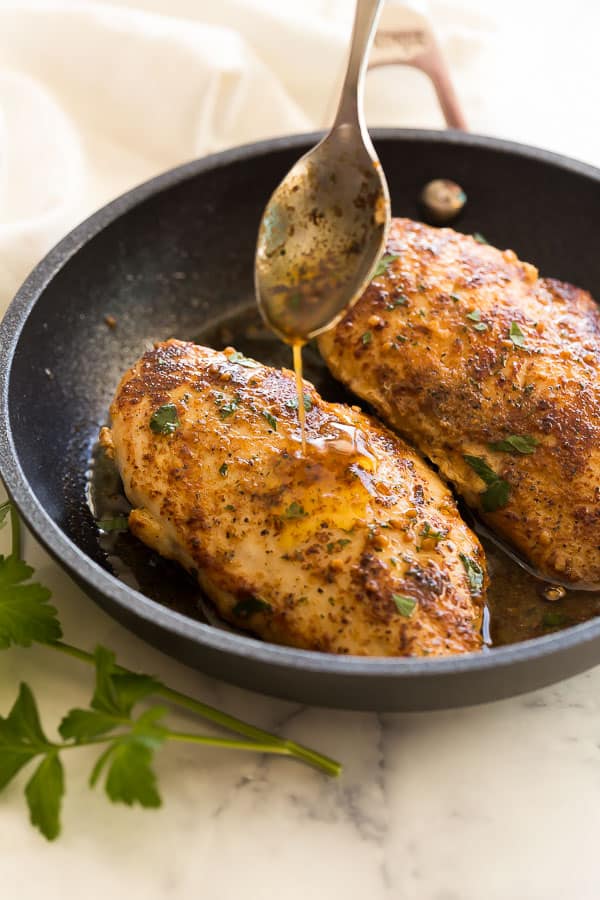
(95, 97)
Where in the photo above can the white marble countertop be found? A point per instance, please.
(499, 801)
(489, 803)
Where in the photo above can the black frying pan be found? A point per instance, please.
(175, 257)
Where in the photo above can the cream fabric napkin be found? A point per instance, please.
(96, 97)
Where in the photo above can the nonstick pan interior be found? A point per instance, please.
(174, 258)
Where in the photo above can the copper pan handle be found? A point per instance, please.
(404, 37)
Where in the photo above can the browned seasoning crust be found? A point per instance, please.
(441, 367)
(325, 552)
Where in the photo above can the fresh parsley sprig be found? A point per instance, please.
(130, 737)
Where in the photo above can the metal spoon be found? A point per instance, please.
(325, 225)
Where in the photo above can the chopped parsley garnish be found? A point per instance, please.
(404, 605)
(243, 609)
(428, 532)
(497, 493)
(270, 419)
(516, 443)
(554, 619)
(293, 403)
(230, 507)
(228, 409)
(455, 297)
(337, 545)
(294, 511)
(242, 360)
(516, 335)
(496, 496)
(118, 523)
(400, 300)
(474, 574)
(223, 469)
(479, 465)
(383, 264)
(475, 316)
(367, 337)
(477, 236)
(165, 420)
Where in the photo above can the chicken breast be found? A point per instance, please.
(494, 374)
(355, 547)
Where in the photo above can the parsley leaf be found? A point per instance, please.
(118, 523)
(517, 336)
(554, 619)
(404, 605)
(250, 605)
(496, 496)
(44, 792)
(474, 574)
(480, 466)
(399, 300)
(241, 360)
(516, 443)
(270, 419)
(293, 403)
(498, 491)
(82, 725)
(25, 614)
(477, 236)
(130, 778)
(474, 316)
(294, 511)
(382, 265)
(21, 736)
(223, 469)
(165, 420)
(228, 409)
(428, 532)
(116, 693)
(367, 337)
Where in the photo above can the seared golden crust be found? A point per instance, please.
(468, 347)
(324, 552)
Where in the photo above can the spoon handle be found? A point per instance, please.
(350, 108)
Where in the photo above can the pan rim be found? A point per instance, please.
(86, 571)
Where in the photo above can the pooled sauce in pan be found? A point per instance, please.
(517, 609)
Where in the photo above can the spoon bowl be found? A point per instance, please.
(322, 233)
(324, 228)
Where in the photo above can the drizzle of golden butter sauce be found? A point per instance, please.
(297, 357)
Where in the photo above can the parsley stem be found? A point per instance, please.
(259, 737)
(228, 743)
